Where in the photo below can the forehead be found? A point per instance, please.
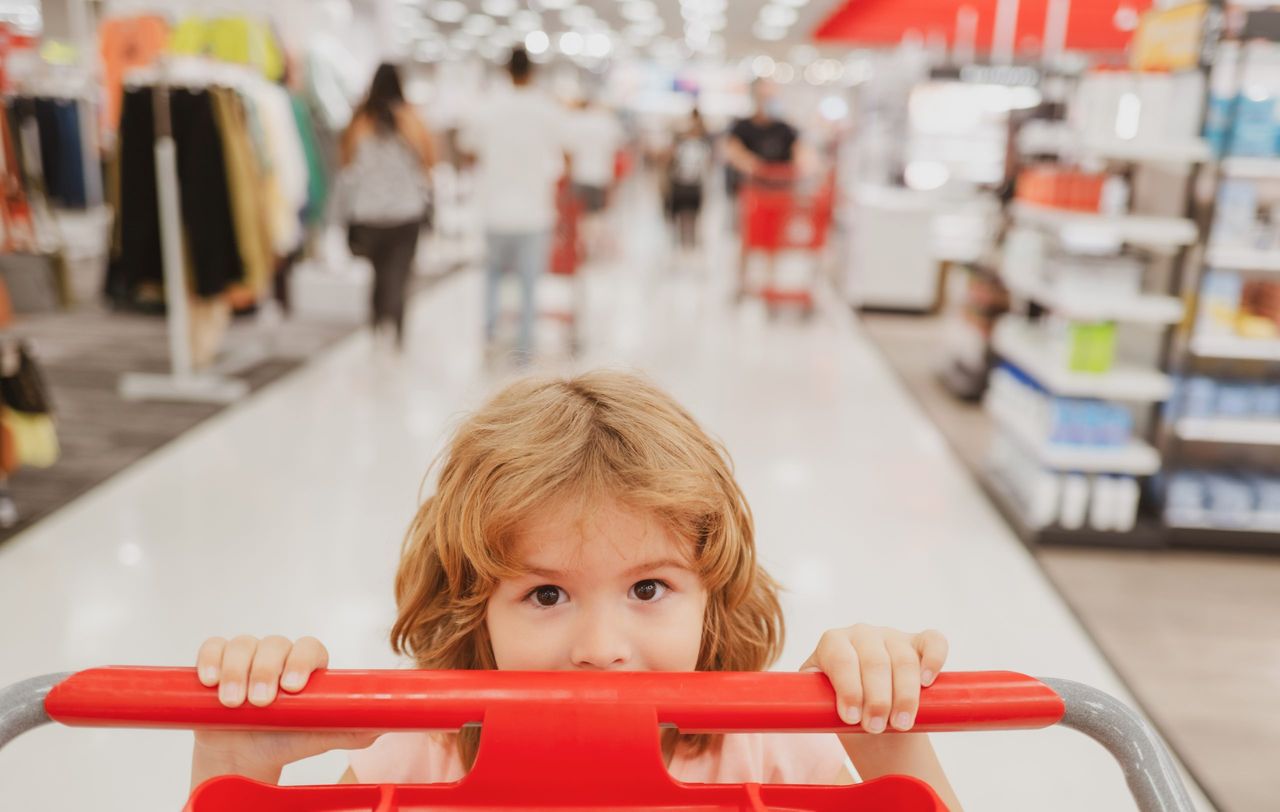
(599, 537)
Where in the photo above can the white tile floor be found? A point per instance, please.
(285, 514)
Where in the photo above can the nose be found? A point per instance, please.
(600, 642)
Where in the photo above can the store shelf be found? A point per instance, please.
(1225, 430)
(1148, 534)
(1019, 345)
(1059, 139)
(1146, 309)
(1267, 168)
(1243, 259)
(1235, 348)
(1132, 228)
(1259, 538)
(1137, 458)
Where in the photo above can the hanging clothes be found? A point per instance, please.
(317, 176)
(202, 188)
(241, 40)
(15, 211)
(127, 43)
(136, 258)
(61, 151)
(245, 185)
(29, 435)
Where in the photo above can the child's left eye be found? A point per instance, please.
(649, 590)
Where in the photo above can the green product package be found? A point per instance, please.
(1093, 347)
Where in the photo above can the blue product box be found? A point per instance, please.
(1254, 133)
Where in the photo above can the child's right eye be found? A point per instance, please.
(546, 596)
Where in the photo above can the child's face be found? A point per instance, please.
(609, 591)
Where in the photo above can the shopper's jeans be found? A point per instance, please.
(527, 256)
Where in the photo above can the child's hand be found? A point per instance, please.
(878, 672)
(253, 670)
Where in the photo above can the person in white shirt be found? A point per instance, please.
(596, 138)
(519, 144)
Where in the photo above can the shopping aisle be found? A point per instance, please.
(284, 515)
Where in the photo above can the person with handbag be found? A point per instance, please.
(387, 153)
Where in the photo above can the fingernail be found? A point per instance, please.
(209, 675)
(851, 716)
(260, 692)
(231, 693)
(927, 677)
(875, 724)
(902, 721)
(293, 680)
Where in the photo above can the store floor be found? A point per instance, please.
(1195, 634)
(285, 513)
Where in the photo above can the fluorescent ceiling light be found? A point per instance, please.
(499, 8)
(639, 11)
(449, 11)
(571, 43)
(537, 42)
(778, 16)
(479, 25)
(768, 33)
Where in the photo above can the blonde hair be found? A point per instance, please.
(604, 434)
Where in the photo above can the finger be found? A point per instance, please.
(906, 682)
(209, 661)
(932, 648)
(877, 686)
(236, 659)
(838, 659)
(307, 655)
(264, 674)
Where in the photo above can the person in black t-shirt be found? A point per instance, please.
(763, 139)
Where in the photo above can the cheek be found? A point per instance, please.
(519, 644)
(678, 639)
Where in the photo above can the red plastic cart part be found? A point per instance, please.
(700, 702)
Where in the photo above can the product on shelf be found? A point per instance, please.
(1233, 305)
(1150, 107)
(1202, 397)
(1060, 420)
(1072, 501)
(1229, 501)
(1061, 188)
(1241, 118)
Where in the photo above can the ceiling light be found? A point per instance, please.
(461, 41)
(499, 8)
(784, 73)
(555, 5)
(598, 45)
(778, 16)
(639, 11)
(763, 66)
(526, 21)
(479, 25)
(768, 33)
(647, 28)
(571, 43)
(537, 42)
(578, 16)
(449, 11)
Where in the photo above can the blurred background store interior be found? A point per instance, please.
(998, 350)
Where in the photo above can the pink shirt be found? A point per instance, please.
(745, 758)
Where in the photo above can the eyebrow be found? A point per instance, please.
(647, 566)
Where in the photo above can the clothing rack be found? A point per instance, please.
(183, 382)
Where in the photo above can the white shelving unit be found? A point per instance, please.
(1235, 348)
(1017, 343)
(1242, 431)
(1060, 139)
(1144, 309)
(1132, 228)
(1243, 259)
(1136, 458)
(1267, 168)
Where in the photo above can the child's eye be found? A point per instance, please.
(546, 596)
(649, 590)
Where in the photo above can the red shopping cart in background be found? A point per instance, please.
(783, 212)
(566, 259)
(557, 740)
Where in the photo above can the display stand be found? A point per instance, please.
(183, 382)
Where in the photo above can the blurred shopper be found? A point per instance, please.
(519, 143)
(686, 172)
(763, 143)
(387, 152)
(596, 137)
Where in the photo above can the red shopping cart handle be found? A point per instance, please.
(698, 702)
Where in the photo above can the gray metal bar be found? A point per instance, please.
(1152, 775)
(22, 705)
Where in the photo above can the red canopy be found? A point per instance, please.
(1092, 24)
